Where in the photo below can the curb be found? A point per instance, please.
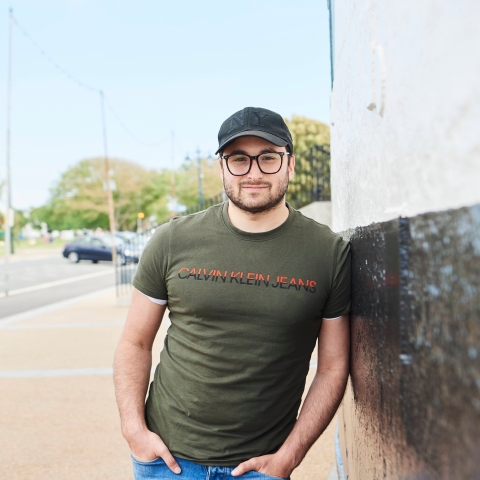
(19, 317)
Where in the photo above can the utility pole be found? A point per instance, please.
(172, 176)
(111, 214)
(8, 184)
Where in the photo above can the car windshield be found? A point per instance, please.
(107, 240)
(139, 240)
(127, 235)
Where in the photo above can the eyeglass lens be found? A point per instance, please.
(239, 164)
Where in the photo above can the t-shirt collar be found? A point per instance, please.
(262, 236)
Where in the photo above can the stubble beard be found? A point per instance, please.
(251, 205)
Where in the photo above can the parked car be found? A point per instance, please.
(126, 235)
(97, 249)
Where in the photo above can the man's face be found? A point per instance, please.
(256, 192)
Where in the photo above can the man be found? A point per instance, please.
(247, 284)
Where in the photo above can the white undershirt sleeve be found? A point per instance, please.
(336, 318)
(155, 300)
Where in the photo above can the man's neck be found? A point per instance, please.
(257, 222)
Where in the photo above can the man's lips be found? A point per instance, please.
(255, 186)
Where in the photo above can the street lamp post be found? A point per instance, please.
(200, 174)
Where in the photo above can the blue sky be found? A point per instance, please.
(183, 66)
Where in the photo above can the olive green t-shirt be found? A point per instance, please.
(245, 310)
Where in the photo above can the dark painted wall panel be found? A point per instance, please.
(412, 407)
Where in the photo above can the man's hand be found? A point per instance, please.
(147, 446)
(273, 465)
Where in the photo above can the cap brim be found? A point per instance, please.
(254, 133)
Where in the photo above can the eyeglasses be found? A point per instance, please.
(240, 164)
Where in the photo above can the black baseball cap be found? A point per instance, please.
(256, 122)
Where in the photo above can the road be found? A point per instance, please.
(38, 282)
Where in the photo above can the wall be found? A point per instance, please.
(405, 174)
(405, 108)
(321, 212)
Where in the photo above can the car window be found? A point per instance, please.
(96, 242)
(108, 240)
(82, 241)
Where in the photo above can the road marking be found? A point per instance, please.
(55, 373)
(56, 283)
(68, 372)
(65, 325)
(59, 372)
(20, 317)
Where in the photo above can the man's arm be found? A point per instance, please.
(132, 366)
(323, 398)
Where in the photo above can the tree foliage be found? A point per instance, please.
(307, 132)
(79, 198)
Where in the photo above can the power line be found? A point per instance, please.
(85, 86)
(128, 132)
(52, 61)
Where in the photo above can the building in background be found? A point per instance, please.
(405, 139)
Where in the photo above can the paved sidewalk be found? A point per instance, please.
(32, 254)
(58, 418)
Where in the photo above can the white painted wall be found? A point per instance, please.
(405, 133)
(321, 212)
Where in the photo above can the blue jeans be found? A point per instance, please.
(157, 469)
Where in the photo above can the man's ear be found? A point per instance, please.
(291, 167)
(221, 168)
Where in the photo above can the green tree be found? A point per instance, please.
(186, 186)
(187, 182)
(307, 132)
(79, 199)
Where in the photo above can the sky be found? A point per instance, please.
(164, 67)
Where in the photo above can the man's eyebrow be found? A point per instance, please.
(269, 150)
(236, 152)
(243, 152)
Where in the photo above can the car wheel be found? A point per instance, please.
(73, 257)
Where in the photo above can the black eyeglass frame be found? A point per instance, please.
(252, 158)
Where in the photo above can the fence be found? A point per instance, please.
(127, 261)
(198, 207)
(311, 182)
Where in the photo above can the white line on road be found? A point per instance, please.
(68, 372)
(65, 325)
(19, 317)
(56, 283)
(59, 372)
(55, 373)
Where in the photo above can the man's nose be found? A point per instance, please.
(255, 170)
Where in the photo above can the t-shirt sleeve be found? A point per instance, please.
(338, 302)
(150, 277)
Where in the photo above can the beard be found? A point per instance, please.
(261, 202)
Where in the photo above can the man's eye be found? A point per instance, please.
(239, 159)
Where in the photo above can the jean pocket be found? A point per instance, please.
(254, 475)
(146, 462)
(150, 470)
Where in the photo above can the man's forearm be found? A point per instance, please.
(323, 398)
(132, 366)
